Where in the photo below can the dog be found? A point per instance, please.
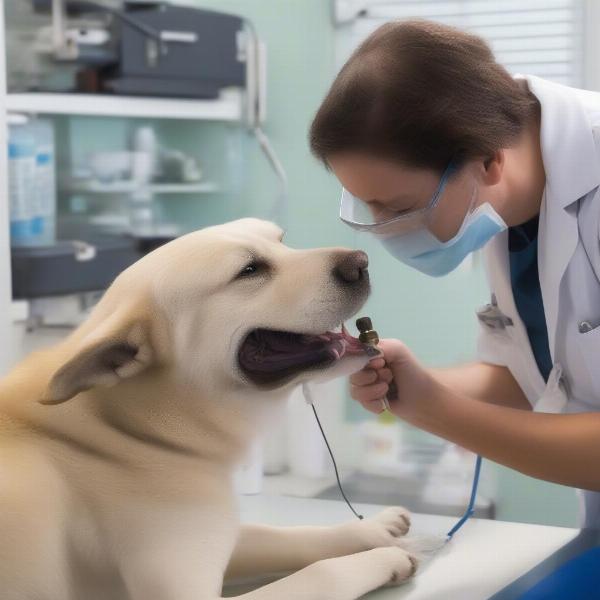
(117, 446)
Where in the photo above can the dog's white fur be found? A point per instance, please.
(117, 446)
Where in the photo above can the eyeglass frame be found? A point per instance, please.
(452, 167)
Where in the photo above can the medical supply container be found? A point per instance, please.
(21, 178)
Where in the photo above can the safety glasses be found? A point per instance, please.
(365, 216)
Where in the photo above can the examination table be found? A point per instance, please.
(486, 558)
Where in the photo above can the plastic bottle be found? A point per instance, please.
(145, 146)
(44, 201)
(382, 443)
(21, 178)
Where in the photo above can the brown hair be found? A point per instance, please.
(421, 93)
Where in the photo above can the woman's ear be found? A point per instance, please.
(118, 349)
(492, 168)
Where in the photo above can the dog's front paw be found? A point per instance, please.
(395, 520)
(384, 529)
(402, 565)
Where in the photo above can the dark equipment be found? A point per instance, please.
(70, 267)
(158, 49)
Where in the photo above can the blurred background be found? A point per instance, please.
(108, 159)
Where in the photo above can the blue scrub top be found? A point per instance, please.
(525, 282)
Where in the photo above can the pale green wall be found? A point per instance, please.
(299, 42)
(435, 317)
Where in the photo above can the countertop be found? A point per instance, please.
(483, 557)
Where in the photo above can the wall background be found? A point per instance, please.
(434, 317)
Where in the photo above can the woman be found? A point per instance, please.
(440, 152)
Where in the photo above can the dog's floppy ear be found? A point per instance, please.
(118, 349)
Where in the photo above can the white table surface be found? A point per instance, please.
(483, 557)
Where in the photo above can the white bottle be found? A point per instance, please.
(44, 205)
(381, 444)
(21, 179)
(146, 154)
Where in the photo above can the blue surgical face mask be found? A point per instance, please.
(421, 250)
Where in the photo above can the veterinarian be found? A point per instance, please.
(441, 152)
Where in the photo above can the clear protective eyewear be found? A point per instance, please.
(363, 216)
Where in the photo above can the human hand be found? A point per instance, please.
(397, 370)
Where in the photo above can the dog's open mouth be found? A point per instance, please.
(268, 356)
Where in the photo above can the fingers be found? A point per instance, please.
(368, 376)
(370, 396)
(376, 363)
(364, 377)
(371, 384)
(385, 375)
(364, 393)
(374, 406)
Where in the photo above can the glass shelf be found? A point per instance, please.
(228, 107)
(130, 187)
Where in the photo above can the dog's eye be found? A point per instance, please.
(251, 269)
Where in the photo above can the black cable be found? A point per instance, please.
(337, 475)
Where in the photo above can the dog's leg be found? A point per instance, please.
(172, 562)
(262, 549)
(342, 578)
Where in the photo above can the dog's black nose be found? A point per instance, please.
(351, 267)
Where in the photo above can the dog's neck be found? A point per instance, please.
(154, 416)
(210, 424)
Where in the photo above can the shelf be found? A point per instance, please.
(227, 108)
(129, 187)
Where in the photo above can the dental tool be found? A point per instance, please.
(370, 338)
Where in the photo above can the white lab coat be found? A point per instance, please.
(569, 267)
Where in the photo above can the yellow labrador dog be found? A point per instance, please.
(117, 446)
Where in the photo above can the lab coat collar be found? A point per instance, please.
(568, 147)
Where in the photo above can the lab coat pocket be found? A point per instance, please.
(589, 343)
(494, 345)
